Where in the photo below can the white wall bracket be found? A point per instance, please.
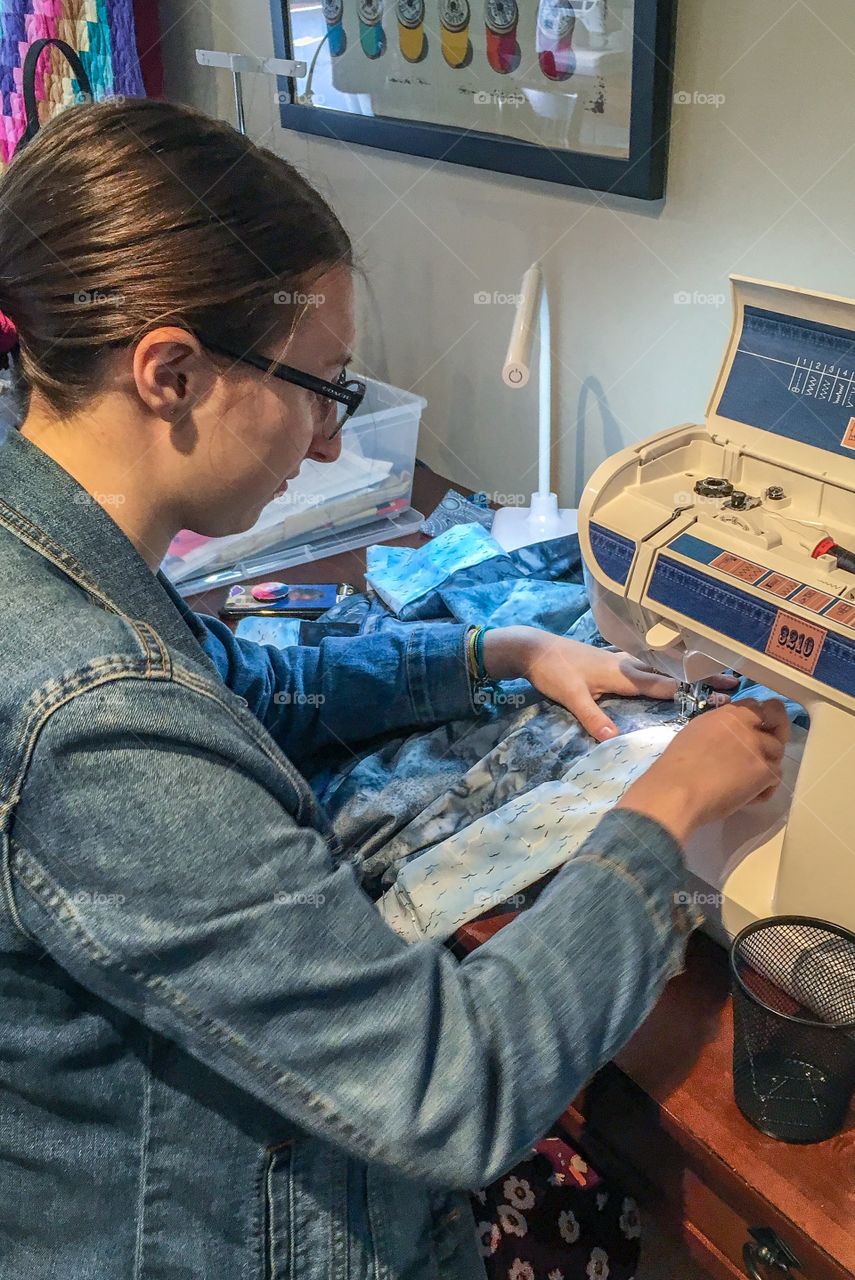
(240, 63)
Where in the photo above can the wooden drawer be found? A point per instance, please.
(703, 1203)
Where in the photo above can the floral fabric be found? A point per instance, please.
(553, 1217)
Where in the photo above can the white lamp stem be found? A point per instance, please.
(520, 526)
(545, 394)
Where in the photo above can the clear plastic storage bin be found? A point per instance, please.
(363, 497)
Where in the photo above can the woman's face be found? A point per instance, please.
(256, 430)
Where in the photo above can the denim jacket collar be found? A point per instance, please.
(44, 506)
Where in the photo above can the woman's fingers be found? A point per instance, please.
(772, 719)
(581, 704)
(649, 683)
(775, 720)
(635, 678)
(722, 682)
(773, 737)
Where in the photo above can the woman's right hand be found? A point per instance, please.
(718, 763)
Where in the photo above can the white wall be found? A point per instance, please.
(761, 185)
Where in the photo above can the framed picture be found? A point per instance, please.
(571, 91)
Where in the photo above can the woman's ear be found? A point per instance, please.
(171, 372)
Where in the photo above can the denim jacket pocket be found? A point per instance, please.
(278, 1196)
(454, 1242)
(429, 1234)
(307, 1215)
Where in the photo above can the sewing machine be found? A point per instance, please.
(732, 545)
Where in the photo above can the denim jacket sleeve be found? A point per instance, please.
(153, 857)
(348, 689)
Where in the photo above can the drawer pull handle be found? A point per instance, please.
(767, 1249)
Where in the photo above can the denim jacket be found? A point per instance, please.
(217, 1062)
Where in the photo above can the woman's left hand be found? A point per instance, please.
(575, 674)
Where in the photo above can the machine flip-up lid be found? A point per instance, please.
(789, 372)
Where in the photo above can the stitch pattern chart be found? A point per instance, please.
(795, 378)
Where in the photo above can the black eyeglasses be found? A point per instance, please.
(346, 393)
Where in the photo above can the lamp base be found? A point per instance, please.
(520, 526)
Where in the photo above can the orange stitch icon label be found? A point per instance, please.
(848, 440)
(810, 598)
(727, 562)
(779, 585)
(841, 612)
(795, 642)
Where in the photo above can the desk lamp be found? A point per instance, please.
(519, 526)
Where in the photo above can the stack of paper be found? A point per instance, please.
(321, 499)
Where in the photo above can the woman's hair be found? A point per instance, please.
(121, 217)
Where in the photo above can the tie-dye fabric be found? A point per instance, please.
(453, 509)
(465, 575)
(401, 580)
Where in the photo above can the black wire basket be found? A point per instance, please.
(793, 981)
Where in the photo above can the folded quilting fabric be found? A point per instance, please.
(554, 606)
(489, 861)
(556, 560)
(400, 581)
(454, 509)
(382, 559)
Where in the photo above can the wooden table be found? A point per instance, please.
(665, 1112)
(663, 1118)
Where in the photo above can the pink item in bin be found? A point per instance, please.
(364, 497)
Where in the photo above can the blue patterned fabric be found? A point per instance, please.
(398, 798)
(406, 579)
(453, 509)
(465, 576)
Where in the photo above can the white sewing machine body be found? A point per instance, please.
(739, 577)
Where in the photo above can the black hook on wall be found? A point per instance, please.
(29, 81)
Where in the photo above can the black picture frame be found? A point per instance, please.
(641, 175)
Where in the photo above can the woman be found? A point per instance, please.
(216, 1059)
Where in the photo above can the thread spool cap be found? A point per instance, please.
(714, 487)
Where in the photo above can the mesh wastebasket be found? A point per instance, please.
(793, 982)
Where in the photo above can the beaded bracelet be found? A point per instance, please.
(483, 687)
(471, 662)
(479, 653)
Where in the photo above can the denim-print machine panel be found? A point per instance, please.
(732, 544)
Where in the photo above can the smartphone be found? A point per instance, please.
(284, 599)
